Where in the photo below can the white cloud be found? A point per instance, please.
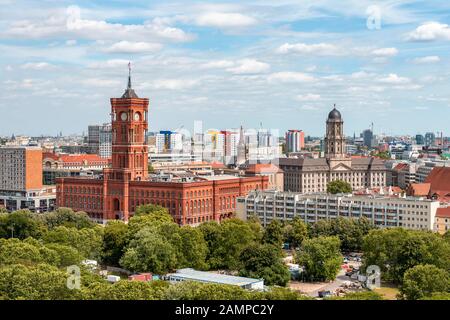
(224, 20)
(309, 108)
(109, 64)
(324, 49)
(430, 31)
(102, 83)
(249, 66)
(289, 76)
(172, 84)
(393, 78)
(70, 24)
(385, 52)
(427, 60)
(133, 47)
(308, 97)
(36, 66)
(218, 64)
(71, 42)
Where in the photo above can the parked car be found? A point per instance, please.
(324, 293)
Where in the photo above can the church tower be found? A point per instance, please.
(335, 138)
(241, 152)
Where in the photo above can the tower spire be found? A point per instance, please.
(129, 92)
(129, 75)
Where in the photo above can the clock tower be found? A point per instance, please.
(129, 134)
(129, 152)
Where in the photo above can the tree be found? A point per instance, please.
(115, 239)
(38, 282)
(423, 280)
(149, 252)
(263, 261)
(295, 232)
(88, 242)
(30, 251)
(211, 231)
(148, 215)
(157, 212)
(232, 237)
(339, 186)
(437, 296)
(396, 250)
(68, 255)
(350, 231)
(273, 234)
(190, 290)
(125, 290)
(193, 247)
(68, 218)
(320, 257)
(20, 224)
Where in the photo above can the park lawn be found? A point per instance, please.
(388, 291)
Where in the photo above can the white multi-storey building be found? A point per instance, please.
(383, 211)
(105, 141)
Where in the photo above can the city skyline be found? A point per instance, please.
(226, 64)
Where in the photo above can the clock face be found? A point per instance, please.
(137, 116)
(123, 116)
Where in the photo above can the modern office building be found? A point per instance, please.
(430, 138)
(21, 180)
(420, 139)
(295, 141)
(99, 139)
(105, 142)
(383, 211)
(313, 175)
(367, 136)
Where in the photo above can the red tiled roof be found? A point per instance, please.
(401, 166)
(76, 158)
(443, 212)
(217, 165)
(82, 157)
(439, 178)
(263, 167)
(49, 155)
(419, 189)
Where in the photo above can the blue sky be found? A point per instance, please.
(283, 63)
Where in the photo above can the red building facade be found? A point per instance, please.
(125, 185)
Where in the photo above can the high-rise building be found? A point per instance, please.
(100, 139)
(21, 180)
(214, 146)
(168, 141)
(20, 168)
(367, 136)
(430, 139)
(420, 140)
(105, 141)
(295, 140)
